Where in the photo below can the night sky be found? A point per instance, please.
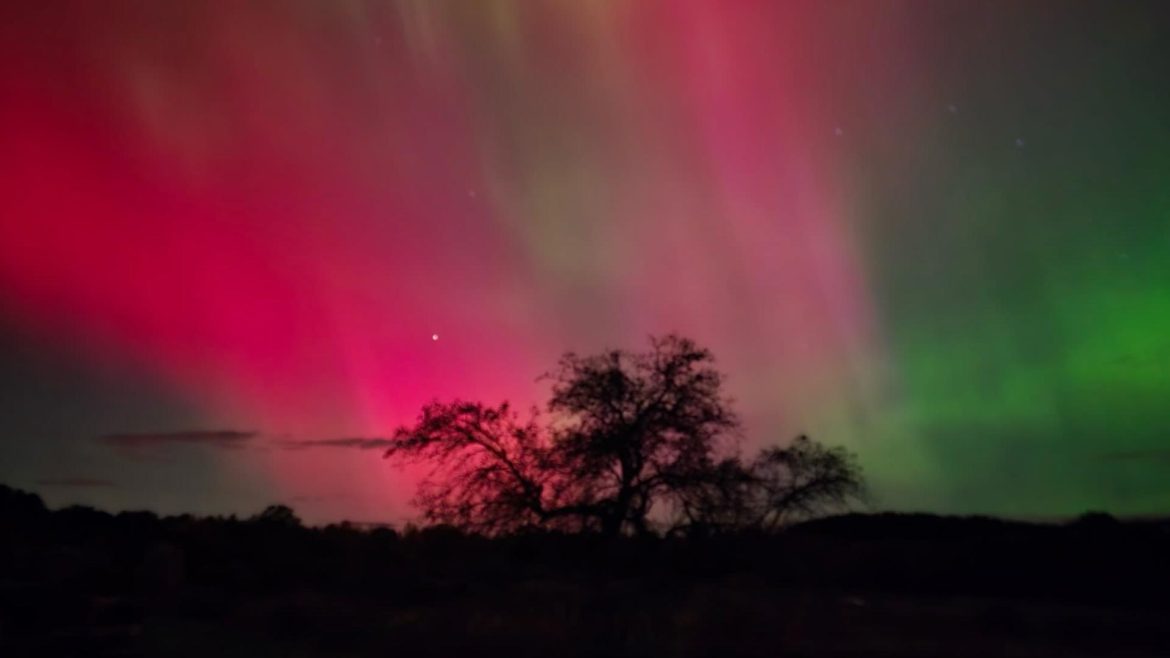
(240, 242)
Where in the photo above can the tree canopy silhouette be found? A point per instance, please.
(630, 437)
(779, 485)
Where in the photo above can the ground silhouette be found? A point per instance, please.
(82, 582)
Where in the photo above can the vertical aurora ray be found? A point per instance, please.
(270, 208)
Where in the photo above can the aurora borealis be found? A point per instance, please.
(937, 233)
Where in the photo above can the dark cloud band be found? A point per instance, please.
(357, 443)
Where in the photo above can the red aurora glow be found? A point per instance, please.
(272, 207)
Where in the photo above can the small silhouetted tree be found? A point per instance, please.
(780, 485)
(721, 499)
(801, 480)
(278, 516)
(630, 436)
(18, 506)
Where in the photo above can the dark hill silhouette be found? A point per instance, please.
(79, 581)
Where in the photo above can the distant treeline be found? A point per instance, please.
(179, 559)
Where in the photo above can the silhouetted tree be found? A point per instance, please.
(19, 506)
(781, 484)
(632, 436)
(278, 515)
(638, 429)
(723, 498)
(802, 480)
(488, 468)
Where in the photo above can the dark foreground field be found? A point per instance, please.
(84, 583)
